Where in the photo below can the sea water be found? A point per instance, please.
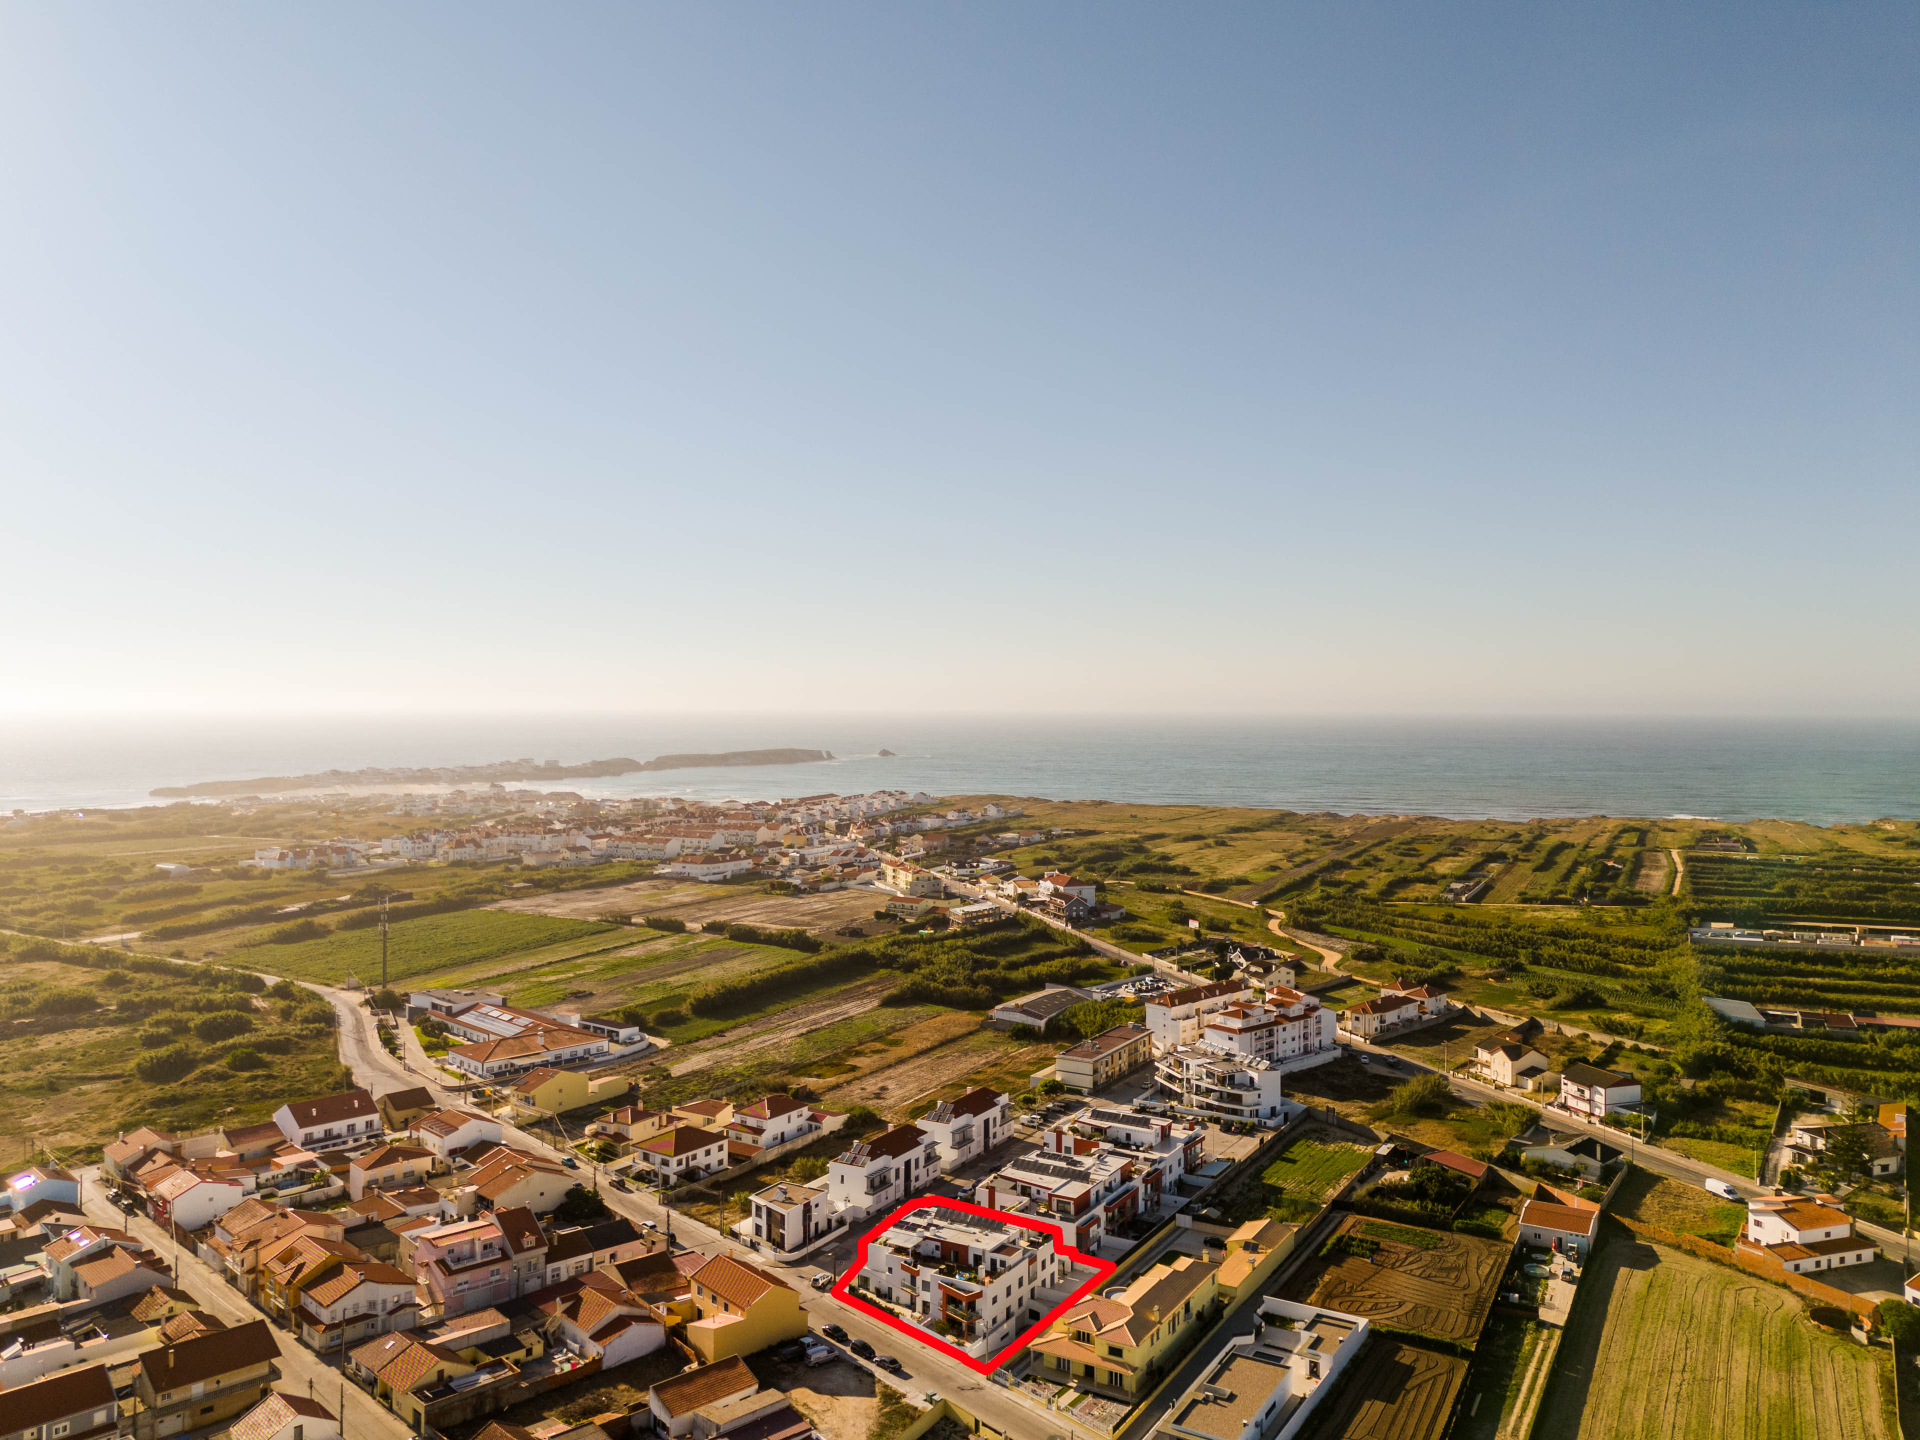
(1820, 771)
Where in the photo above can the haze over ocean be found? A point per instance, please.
(1816, 770)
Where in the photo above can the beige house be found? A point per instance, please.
(1098, 1062)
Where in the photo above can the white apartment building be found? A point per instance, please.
(787, 1217)
(1288, 1029)
(1092, 1190)
(773, 1120)
(966, 1280)
(1175, 1147)
(1177, 1017)
(871, 1175)
(967, 1128)
(1206, 1080)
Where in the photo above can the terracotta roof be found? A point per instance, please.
(186, 1326)
(267, 1418)
(389, 1155)
(1194, 993)
(735, 1281)
(376, 1353)
(1564, 1218)
(444, 1122)
(534, 1079)
(349, 1278)
(520, 1229)
(41, 1402)
(770, 1106)
(331, 1109)
(413, 1363)
(1581, 1073)
(160, 1301)
(688, 1391)
(1385, 1005)
(682, 1140)
(240, 1137)
(173, 1367)
(110, 1266)
(901, 1140)
(419, 1097)
(977, 1101)
(1472, 1169)
(709, 1108)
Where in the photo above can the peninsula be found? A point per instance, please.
(499, 772)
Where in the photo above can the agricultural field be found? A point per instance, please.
(426, 946)
(1663, 1343)
(1828, 886)
(80, 1037)
(1506, 1381)
(1392, 1391)
(708, 905)
(1311, 1170)
(1442, 1290)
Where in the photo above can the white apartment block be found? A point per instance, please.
(967, 1128)
(1206, 1080)
(871, 1175)
(969, 1281)
(1288, 1029)
(1177, 1017)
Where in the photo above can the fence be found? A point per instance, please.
(1763, 1267)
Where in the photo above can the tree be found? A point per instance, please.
(1844, 1157)
(1899, 1321)
(579, 1206)
(388, 999)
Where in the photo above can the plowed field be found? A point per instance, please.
(1445, 1291)
(1394, 1391)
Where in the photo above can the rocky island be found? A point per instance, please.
(499, 771)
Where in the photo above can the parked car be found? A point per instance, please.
(823, 1281)
(791, 1351)
(887, 1362)
(1722, 1189)
(569, 1162)
(619, 1184)
(834, 1332)
(819, 1354)
(861, 1348)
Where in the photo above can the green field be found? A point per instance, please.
(1309, 1170)
(423, 946)
(1662, 1343)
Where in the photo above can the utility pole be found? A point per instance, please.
(383, 942)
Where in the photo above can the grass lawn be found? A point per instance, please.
(1682, 1208)
(419, 947)
(1737, 1158)
(1662, 1343)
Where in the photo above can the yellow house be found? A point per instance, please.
(740, 1310)
(705, 1114)
(285, 1275)
(1254, 1252)
(549, 1092)
(200, 1381)
(1121, 1346)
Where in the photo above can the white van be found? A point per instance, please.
(1722, 1189)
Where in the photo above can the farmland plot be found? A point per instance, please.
(1444, 1290)
(1672, 1345)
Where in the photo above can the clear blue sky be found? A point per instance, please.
(1065, 357)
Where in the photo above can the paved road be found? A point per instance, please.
(299, 1366)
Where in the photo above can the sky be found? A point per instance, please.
(990, 358)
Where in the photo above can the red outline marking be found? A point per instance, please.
(843, 1291)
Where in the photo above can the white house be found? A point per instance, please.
(329, 1122)
(446, 1132)
(1805, 1235)
(1596, 1093)
(193, 1201)
(1269, 1382)
(773, 1120)
(709, 868)
(1432, 1001)
(1564, 1228)
(1379, 1016)
(1507, 1058)
(1058, 882)
(361, 1299)
(787, 1216)
(685, 1152)
(967, 1128)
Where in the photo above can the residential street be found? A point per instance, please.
(299, 1367)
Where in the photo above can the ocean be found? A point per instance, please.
(1819, 771)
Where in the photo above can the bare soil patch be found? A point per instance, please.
(1394, 1391)
(774, 1030)
(937, 1058)
(1445, 1291)
(840, 1398)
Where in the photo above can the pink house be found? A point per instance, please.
(471, 1264)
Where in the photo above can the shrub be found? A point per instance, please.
(222, 1025)
(671, 924)
(1422, 1095)
(116, 979)
(809, 1167)
(176, 1062)
(667, 1019)
(1899, 1321)
(246, 1059)
(293, 934)
(64, 1002)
